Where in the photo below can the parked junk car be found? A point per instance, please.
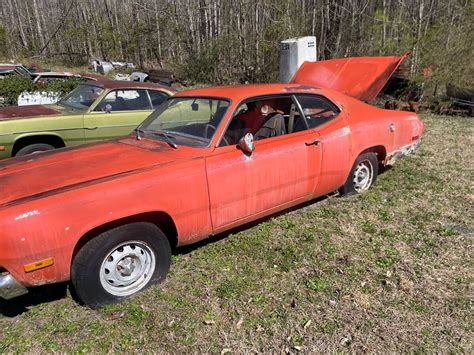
(92, 112)
(43, 78)
(51, 97)
(12, 69)
(106, 216)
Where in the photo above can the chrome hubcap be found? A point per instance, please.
(363, 176)
(127, 268)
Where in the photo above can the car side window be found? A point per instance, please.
(264, 118)
(317, 109)
(125, 100)
(157, 98)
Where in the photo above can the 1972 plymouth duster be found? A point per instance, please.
(105, 216)
(94, 111)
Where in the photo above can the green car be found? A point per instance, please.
(92, 112)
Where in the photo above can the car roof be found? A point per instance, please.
(125, 84)
(240, 92)
(55, 73)
(10, 65)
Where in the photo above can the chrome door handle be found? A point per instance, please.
(315, 142)
(391, 127)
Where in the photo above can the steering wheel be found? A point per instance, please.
(207, 128)
(210, 126)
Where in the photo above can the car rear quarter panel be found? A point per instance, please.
(371, 127)
(51, 226)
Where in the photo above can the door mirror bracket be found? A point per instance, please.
(108, 108)
(246, 143)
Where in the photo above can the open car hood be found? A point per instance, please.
(359, 77)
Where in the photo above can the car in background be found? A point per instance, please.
(92, 112)
(106, 216)
(43, 79)
(14, 69)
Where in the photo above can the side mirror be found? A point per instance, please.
(108, 108)
(246, 143)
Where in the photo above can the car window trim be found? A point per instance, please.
(149, 99)
(167, 96)
(300, 110)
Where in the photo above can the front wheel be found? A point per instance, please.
(119, 263)
(362, 176)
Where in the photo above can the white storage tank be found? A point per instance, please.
(293, 52)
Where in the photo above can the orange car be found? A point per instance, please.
(105, 216)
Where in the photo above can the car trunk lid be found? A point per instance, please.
(360, 77)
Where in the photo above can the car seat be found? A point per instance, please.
(274, 126)
(119, 104)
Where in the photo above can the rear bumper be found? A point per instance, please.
(9, 287)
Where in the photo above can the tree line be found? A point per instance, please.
(221, 41)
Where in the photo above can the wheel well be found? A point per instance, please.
(161, 219)
(55, 141)
(379, 150)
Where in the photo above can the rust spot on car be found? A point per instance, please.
(301, 88)
(13, 112)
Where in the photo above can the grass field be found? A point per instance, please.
(390, 270)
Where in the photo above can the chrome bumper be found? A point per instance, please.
(9, 287)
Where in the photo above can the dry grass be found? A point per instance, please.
(390, 270)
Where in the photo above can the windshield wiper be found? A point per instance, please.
(138, 130)
(168, 138)
(137, 133)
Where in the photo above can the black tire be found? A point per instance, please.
(124, 247)
(368, 161)
(34, 148)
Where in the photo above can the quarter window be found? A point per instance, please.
(157, 98)
(317, 109)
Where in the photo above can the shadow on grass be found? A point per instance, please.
(54, 292)
(212, 239)
(36, 295)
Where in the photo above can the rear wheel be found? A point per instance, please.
(362, 176)
(119, 263)
(34, 148)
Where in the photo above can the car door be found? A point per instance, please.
(117, 114)
(281, 171)
(331, 123)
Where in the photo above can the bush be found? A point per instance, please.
(12, 86)
(61, 86)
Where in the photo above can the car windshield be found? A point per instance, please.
(190, 121)
(82, 97)
(22, 70)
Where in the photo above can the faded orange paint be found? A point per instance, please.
(48, 201)
(358, 77)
